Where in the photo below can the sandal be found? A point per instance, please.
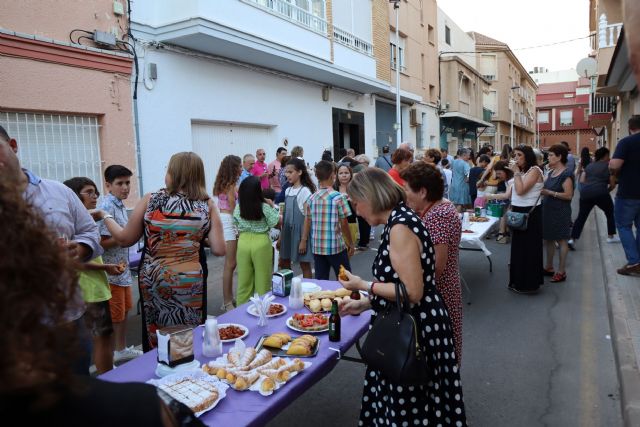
(549, 273)
(559, 277)
(228, 306)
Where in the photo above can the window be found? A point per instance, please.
(447, 35)
(543, 117)
(56, 146)
(566, 118)
(401, 53)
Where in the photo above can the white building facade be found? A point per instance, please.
(232, 76)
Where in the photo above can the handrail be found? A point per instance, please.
(356, 43)
(292, 13)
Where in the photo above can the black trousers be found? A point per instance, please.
(324, 263)
(605, 203)
(365, 230)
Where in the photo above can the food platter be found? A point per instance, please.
(196, 389)
(282, 352)
(251, 309)
(236, 325)
(315, 330)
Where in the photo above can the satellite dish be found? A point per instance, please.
(587, 67)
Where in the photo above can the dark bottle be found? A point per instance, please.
(334, 322)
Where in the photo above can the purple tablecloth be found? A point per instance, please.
(248, 408)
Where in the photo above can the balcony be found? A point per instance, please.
(608, 34)
(602, 104)
(292, 13)
(490, 77)
(347, 39)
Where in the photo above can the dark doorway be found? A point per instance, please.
(348, 131)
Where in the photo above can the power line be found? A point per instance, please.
(506, 47)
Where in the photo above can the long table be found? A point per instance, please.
(480, 230)
(248, 408)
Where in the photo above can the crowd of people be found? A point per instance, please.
(318, 218)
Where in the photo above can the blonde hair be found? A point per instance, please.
(376, 186)
(187, 176)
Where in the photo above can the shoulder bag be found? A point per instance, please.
(392, 346)
(519, 220)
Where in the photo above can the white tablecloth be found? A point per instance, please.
(480, 230)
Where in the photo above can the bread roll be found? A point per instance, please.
(338, 300)
(326, 304)
(347, 298)
(315, 306)
(342, 292)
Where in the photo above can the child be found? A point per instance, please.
(475, 173)
(95, 286)
(345, 174)
(295, 245)
(326, 216)
(254, 216)
(224, 190)
(118, 183)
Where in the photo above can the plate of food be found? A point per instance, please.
(478, 219)
(199, 391)
(229, 332)
(320, 301)
(275, 310)
(308, 323)
(282, 345)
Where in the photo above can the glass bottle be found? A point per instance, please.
(334, 322)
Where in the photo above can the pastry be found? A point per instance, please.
(198, 395)
(233, 357)
(342, 273)
(315, 306)
(342, 292)
(273, 364)
(281, 375)
(338, 300)
(221, 373)
(273, 342)
(268, 384)
(294, 366)
(262, 357)
(247, 357)
(299, 349)
(243, 382)
(309, 338)
(285, 337)
(347, 298)
(326, 304)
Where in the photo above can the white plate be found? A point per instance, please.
(244, 328)
(199, 375)
(308, 287)
(290, 326)
(251, 309)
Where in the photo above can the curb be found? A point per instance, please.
(621, 339)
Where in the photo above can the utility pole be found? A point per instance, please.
(398, 124)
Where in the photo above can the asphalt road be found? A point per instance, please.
(542, 360)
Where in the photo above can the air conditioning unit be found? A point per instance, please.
(415, 118)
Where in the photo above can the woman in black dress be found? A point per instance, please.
(405, 255)
(556, 211)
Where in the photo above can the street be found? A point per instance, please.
(541, 360)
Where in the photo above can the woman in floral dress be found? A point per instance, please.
(424, 188)
(174, 220)
(405, 255)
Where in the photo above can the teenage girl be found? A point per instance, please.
(224, 190)
(344, 177)
(254, 216)
(295, 245)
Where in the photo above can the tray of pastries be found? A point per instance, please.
(198, 391)
(255, 370)
(281, 344)
(320, 301)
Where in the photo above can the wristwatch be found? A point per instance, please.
(107, 216)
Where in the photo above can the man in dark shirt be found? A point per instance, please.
(475, 173)
(626, 165)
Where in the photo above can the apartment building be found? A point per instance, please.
(463, 117)
(230, 77)
(512, 94)
(417, 60)
(563, 115)
(614, 96)
(65, 98)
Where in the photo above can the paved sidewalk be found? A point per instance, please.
(623, 295)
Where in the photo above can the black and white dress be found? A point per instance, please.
(439, 402)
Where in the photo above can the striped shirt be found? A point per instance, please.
(326, 208)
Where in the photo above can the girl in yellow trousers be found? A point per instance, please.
(254, 216)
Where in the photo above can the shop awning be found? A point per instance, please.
(466, 119)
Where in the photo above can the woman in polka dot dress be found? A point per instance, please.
(405, 255)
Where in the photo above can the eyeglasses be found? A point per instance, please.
(91, 193)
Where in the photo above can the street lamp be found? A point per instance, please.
(398, 125)
(512, 107)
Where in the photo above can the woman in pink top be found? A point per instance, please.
(424, 188)
(224, 190)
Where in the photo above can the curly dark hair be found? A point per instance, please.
(424, 175)
(561, 151)
(400, 155)
(228, 173)
(435, 154)
(38, 283)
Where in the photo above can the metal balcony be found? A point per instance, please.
(601, 104)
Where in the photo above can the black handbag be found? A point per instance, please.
(392, 346)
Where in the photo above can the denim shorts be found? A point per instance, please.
(97, 317)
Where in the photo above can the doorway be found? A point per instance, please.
(348, 131)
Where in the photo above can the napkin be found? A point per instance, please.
(262, 307)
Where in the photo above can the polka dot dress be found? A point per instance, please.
(439, 402)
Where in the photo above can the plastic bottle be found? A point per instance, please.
(296, 299)
(211, 344)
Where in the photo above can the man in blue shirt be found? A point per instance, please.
(384, 162)
(625, 163)
(247, 164)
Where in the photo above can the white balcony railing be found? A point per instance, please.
(349, 40)
(608, 34)
(293, 13)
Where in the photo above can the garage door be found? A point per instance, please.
(213, 142)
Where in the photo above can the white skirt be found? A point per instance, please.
(229, 229)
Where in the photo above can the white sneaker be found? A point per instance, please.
(126, 354)
(614, 239)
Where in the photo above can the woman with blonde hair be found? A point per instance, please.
(174, 221)
(224, 190)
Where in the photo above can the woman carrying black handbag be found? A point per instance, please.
(405, 257)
